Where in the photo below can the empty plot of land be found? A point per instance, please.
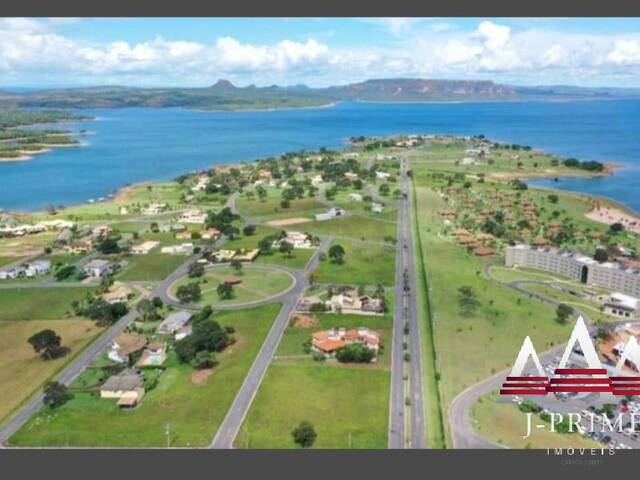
(39, 303)
(287, 221)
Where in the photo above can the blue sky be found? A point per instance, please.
(316, 51)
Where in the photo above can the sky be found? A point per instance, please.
(193, 52)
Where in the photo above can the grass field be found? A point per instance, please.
(505, 424)
(7, 260)
(501, 310)
(360, 208)
(39, 303)
(348, 406)
(298, 259)
(256, 284)
(22, 370)
(270, 208)
(192, 412)
(364, 264)
(357, 228)
(153, 266)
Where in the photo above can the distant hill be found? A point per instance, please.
(223, 95)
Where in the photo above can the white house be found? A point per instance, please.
(376, 207)
(174, 322)
(316, 180)
(154, 209)
(98, 268)
(297, 239)
(382, 175)
(193, 216)
(621, 305)
(333, 212)
(182, 249)
(145, 247)
(12, 273)
(39, 267)
(201, 184)
(127, 386)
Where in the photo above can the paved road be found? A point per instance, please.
(240, 406)
(406, 312)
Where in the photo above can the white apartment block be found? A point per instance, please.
(574, 265)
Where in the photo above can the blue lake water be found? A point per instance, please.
(132, 145)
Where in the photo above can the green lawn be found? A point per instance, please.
(348, 406)
(270, 207)
(39, 303)
(7, 260)
(364, 264)
(153, 266)
(256, 284)
(505, 424)
(298, 258)
(192, 412)
(358, 228)
(360, 208)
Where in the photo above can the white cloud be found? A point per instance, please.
(625, 52)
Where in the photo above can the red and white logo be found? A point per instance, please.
(593, 378)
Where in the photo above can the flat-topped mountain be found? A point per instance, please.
(224, 95)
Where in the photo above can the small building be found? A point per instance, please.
(483, 251)
(351, 176)
(12, 273)
(350, 302)
(210, 234)
(174, 322)
(468, 161)
(182, 249)
(154, 355)
(118, 293)
(246, 255)
(154, 209)
(223, 255)
(144, 248)
(382, 175)
(126, 386)
(377, 207)
(333, 212)
(621, 305)
(297, 239)
(329, 341)
(39, 267)
(316, 180)
(183, 235)
(124, 345)
(98, 268)
(193, 216)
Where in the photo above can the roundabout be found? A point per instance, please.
(252, 285)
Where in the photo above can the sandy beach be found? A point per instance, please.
(608, 216)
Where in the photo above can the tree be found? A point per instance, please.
(355, 353)
(616, 227)
(147, 309)
(601, 255)
(468, 300)
(553, 198)
(189, 293)
(204, 359)
(65, 272)
(286, 248)
(108, 246)
(249, 230)
(563, 312)
(304, 434)
(48, 344)
(236, 265)
(55, 394)
(105, 313)
(225, 291)
(384, 189)
(195, 270)
(337, 253)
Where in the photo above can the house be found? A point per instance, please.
(382, 175)
(183, 235)
(182, 249)
(124, 211)
(351, 176)
(210, 234)
(223, 255)
(126, 386)
(144, 248)
(118, 292)
(100, 231)
(329, 341)
(84, 245)
(57, 224)
(316, 180)
(154, 209)
(355, 197)
(246, 255)
(155, 354)
(621, 305)
(297, 239)
(351, 303)
(376, 207)
(39, 267)
(174, 322)
(333, 212)
(468, 161)
(124, 345)
(305, 304)
(98, 268)
(201, 184)
(12, 273)
(483, 251)
(474, 151)
(183, 332)
(193, 216)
